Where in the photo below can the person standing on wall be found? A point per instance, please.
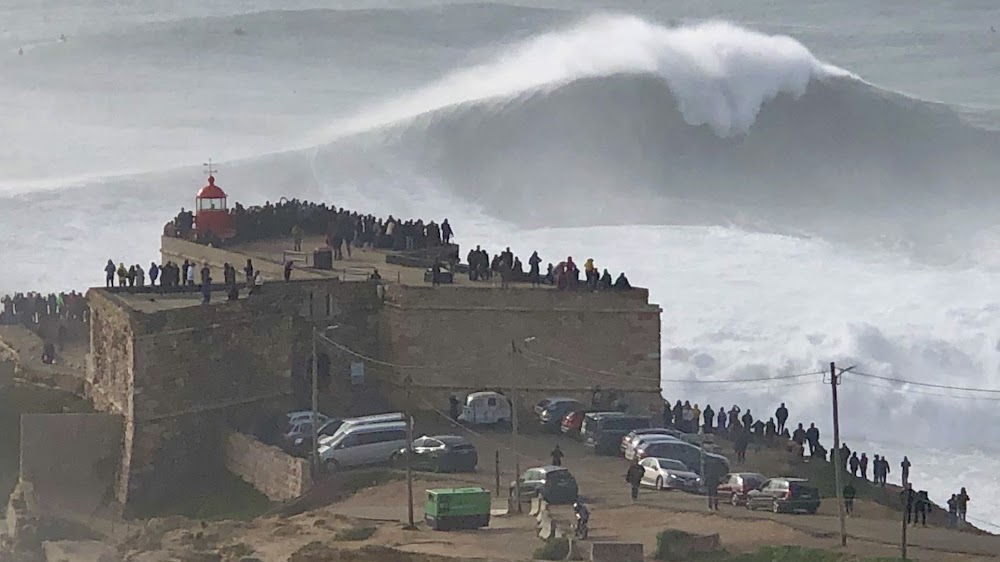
(297, 233)
(781, 414)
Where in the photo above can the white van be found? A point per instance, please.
(485, 408)
(363, 445)
(363, 421)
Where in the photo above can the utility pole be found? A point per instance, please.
(496, 469)
(836, 455)
(513, 427)
(409, 454)
(314, 454)
(902, 544)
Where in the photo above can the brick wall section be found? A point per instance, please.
(270, 470)
(468, 331)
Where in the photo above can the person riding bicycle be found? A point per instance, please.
(582, 513)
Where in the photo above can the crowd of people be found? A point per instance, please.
(743, 429)
(564, 275)
(341, 227)
(32, 308)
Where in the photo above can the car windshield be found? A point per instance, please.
(672, 464)
(559, 476)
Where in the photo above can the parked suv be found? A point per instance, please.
(605, 435)
(555, 484)
(630, 439)
(785, 495)
(736, 486)
(687, 453)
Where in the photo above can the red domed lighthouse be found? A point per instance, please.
(211, 213)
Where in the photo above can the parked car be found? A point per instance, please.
(363, 445)
(687, 453)
(300, 443)
(440, 453)
(590, 420)
(363, 421)
(669, 474)
(303, 415)
(605, 434)
(645, 439)
(551, 411)
(555, 484)
(572, 422)
(785, 495)
(736, 486)
(485, 407)
(630, 437)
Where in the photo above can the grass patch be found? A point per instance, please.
(355, 533)
(220, 496)
(553, 549)
(787, 554)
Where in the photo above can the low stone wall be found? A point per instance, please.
(615, 552)
(276, 474)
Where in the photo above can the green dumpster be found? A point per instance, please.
(457, 508)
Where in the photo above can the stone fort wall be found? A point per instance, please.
(277, 475)
(468, 332)
(178, 376)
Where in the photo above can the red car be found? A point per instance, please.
(572, 422)
(736, 485)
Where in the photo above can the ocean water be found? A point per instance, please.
(795, 183)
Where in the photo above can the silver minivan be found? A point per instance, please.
(363, 445)
(363, 421)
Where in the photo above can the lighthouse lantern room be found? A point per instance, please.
(211, 213)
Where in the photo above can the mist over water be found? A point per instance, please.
(783, 210)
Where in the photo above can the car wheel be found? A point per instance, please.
(659, 482)
(331, 466)
(775, 507)
(735, 500)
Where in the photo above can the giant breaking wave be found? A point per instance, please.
(699, 124)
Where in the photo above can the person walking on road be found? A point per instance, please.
(634, 477)
(557, 456)
(849, 494)
(712, 489)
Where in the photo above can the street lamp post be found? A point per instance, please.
(314, 454)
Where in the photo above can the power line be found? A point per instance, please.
(879, 384)
(662, 380)
(927, 384)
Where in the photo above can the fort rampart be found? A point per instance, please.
(276, 474)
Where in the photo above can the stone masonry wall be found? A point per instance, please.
(110, 372)
(468, 332)
(274, 473)
(191, 371)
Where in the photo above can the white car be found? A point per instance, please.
(645, 439)
(668, 474)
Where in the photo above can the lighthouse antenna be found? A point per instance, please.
(208, 167)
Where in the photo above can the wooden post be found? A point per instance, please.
(314, 454)
(513, 428)
(496, 468)
(409, 454)
(902, 543)
(836, 456)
